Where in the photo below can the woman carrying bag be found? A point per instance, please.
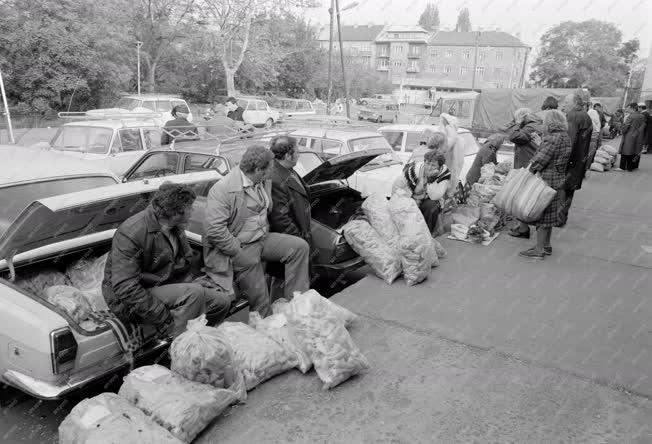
(550, 161)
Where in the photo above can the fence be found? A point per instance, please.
(28, 127)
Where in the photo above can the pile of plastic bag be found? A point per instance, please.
(182, 407)
(203, 354)
(277, 328)
(109, 418)
(605, 158)
(258, 356)
(376, 252)
(311, 303)
(38, 283)
(70, 300)
(87, 274)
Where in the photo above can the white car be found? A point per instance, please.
(114, 144)
(404, 139)
(158, 105)
(257, 112)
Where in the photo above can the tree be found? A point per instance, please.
(463, 21)
(430, 17)
(585, 54)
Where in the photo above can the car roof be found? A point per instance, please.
(337, 134)
(31, 164)
(153, 96)
(416, 128)
(113, 123)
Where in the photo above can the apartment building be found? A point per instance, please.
(357, 41)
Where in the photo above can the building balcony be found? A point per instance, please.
(383, 54)
(382, 68)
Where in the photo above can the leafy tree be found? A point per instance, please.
(585, 54)
(463, 21)
(430, 17)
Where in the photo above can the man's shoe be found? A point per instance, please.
(532, 254)
(515, 232)
(547, 251)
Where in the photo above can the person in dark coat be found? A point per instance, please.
(486, 154)
(631, 144)
(235, 111)
(179, 129)
(648, 127)
(525, 132)
(551, 161)
(580, 128)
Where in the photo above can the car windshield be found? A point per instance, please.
(377, 142)
(374, 105)
(14, 199)
(127, 103)
(83, 139)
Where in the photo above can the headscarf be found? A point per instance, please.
(520, 113)
(496, 140)
(555, 120)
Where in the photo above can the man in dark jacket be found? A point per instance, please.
(149, 271)
(580, 128)
(235, 110)
(179, 129)
(632, 141)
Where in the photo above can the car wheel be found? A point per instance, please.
(269, 122)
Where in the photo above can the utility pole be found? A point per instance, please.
(629, 81)
(138, 45)
(339, 34)
(330, 60)
(527, 53)
(10, 131)
(475, 61)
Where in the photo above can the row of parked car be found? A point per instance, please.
(64, 203)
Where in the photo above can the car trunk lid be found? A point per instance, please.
(344, 166)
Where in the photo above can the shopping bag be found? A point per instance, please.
(525, 195)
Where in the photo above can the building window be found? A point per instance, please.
(466, 54)
(464, 70)
(518, 56)
(398, 64)
(414, 66)
(483, 55)
(432, 68)
(398, 49)
(434, 53)
(449, 53)
(448, 69)
(383, 63)
(499, 55)
(479, 71)
(498, 72)
(397, 36)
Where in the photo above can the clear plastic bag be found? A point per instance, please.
(203, 354)
(439, 249)
(376, 252)
(330, 347)
(258, 356)
(182, 407)
(37, 283)
(311, 303)
(109, 418)
(71, 300)
(276, 327)
(87, 273)
(376, 208)
(487, 172)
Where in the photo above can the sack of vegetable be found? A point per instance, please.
(376, 252)
(376, 208)
(202, 354)
(109, 418)
(183, 407)
(70, 300)
(276, 327)
(257, 355)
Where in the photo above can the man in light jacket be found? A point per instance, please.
(237, 235)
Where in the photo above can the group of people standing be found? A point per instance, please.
(258, 213)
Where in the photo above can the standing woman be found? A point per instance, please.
(551, 161)
(524, 133)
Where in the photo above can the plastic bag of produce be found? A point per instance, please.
(609, 149)
(524, 196)
(311, 303)
(330, 347)
(504, 167)
(182, 407)
(37, 283)
(487, 172)
(439, 249)
(376, 208)
(70, 300)
(369, 244)
(595, 166)
(276, 327)
(87, 273)
(459, 231)
(465, 215)
(258, 356)
(203, 354)
(111, 419)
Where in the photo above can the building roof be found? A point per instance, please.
(352, 33)
(387, 35)
(487, 38)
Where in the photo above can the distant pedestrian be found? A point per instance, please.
(595, 134)
(647, 141)
(580, 128)
(632, 143)
(179, 129)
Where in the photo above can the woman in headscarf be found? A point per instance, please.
(486, 154)
(524, 131)
(551, 161)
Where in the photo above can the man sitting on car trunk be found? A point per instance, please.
(149, 272)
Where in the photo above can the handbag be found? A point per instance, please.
(525, 195)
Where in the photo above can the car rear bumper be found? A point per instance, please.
(341, 267)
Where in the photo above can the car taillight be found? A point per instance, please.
(64, 349)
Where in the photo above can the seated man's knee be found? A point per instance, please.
(298, 248)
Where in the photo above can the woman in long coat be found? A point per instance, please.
(632, 142)
(551, 161)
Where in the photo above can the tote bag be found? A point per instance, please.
(525, 195)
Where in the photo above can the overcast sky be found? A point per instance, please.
(529, 17)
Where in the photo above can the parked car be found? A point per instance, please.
(379, 112)
(257, 112)
(33, 173)
(159, 104)
(114, 144)
(404, 139)
(375, 97)
(292, 107)
(374, 176)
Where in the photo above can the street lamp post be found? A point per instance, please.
(138, 45)
(10, 131)
(475, 61)
(330, 61)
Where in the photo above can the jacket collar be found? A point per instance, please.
(151, 220)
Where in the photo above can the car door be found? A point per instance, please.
(249, 114)
(158, 164)
(127, 147)
(201, 162)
